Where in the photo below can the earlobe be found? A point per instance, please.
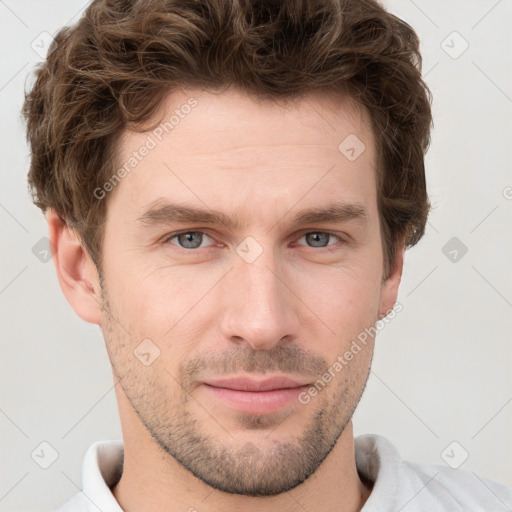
(389, 289)
(77, 274)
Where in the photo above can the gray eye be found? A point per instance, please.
(318, 238)
(190, 240)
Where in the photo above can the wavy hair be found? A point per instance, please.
(115, 66)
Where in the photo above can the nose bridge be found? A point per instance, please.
(259, 306)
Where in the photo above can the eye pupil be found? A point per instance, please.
(186, 239)
(314, 237)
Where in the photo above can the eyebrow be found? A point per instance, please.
(164, 213)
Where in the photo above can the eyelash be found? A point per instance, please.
(329, 248)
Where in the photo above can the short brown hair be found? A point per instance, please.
(115, 66)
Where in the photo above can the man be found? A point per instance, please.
(229, 188)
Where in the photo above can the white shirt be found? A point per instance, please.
(398, 485)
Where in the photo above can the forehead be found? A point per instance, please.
(205, 120)
(206, 147)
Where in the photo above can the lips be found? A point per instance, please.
(255, 396)
(247, 384)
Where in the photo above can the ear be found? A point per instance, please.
(76, 272)
(389, 288)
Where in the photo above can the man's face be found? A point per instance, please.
(268, 296)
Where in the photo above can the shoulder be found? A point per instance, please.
(464, 490)
(418, 487)
(77, 503)
(101, 469)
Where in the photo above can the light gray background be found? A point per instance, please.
(442, 368)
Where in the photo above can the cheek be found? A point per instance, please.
(175, 305)
(347, 301)
(170, 306)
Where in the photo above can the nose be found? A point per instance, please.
(260, 306)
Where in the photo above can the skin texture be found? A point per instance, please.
(211, 314)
